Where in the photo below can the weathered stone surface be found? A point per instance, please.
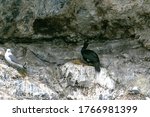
(87, 80)
(19, 87)
(101, 19)
(47, 35)
(56, 71)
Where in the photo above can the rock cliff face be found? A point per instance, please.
(48, 35)
(70, 19)
(57, 71)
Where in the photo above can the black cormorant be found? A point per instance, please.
(90, 57)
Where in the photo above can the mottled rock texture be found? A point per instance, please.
(48, 35)
(48, 19)
(57, 71)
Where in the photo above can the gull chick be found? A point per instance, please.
(11, 59)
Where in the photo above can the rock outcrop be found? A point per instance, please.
(59, 72)
(48, 35)
(35, 20)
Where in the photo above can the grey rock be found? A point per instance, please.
(135, 90)
(73, 78)
(34, 20)
(48, 35)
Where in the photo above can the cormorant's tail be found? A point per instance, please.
(97, 67)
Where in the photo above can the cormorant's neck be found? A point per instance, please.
(85, 45)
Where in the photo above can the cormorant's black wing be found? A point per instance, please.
(90, 56)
